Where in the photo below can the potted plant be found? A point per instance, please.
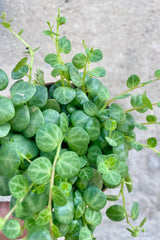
(63, 144)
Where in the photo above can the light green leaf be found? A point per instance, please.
(48, 137)
(3, 80)
(116, 213)
(44, 217)
(97, 72)
(122, 169)
(56, 231)
(61, 20)
(75, 77)
(49, 33)
(136, 101)
(93, 217)
(157, 73)
(90, 108)
(135, 210)
(96, 55)
(20, 73)
(20, 64)
(68, 165)
(133, 81)
(110, 124)
(7, 111)
(78, 140)
(4, 129)
(110, 141)
(20, 32)
(79, 60)
(58, 195)
(64, 45)
(117, 113)
(12, 229)
(39, 171)
(146, 101)
(18, 186)
(123, 96)
(51, 59)
(22, 92)
(85, 234)
(80, 209)
(143, 222)
(64, 95)
(94, 198)
(51, 116)
(140, 127)
(6, 25)
(79, 118)
(112, 179)
(39, 233)
(112, 197)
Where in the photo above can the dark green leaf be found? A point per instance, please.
(146, 101)
(79, 118)
(97, 72)
(94, 198)
(96, 55)
(133, 81)
(20, 73)
(116, 213)
(90, 108)
(55, 72)
(64, 45)
(7, 111)
(85, 234)
(112, 197)
(152, 142)
(39, 233)
(20, 64)
(79, 60)
(40, 97)
(4, 129)
(3, 80)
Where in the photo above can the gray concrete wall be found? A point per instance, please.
(127, 31)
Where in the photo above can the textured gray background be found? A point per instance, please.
(127, 31)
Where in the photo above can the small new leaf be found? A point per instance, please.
(152, 142)
(146, 101)
(135, 210)
(20, 64)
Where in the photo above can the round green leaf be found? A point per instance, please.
(59, 197)
(79, 118)
(136, 101)
(18, 186)
(4, 129)
(157, 73)
(3, 80)
(25, 146)
(110, 124)
(151, 118)
(64, 214)
(22, 92)
(9, 159)
(90, 108)
(94, 198)
(44, 217)
(92, 127)
(64, 95)
(78, 140)
(68, 164)
(21, 119)
(39, 171)
(51, 116)
(133, 81)
(112, 179)
(86, 173)
(12, 229)
(85, 234)
(116, 213)
(152, 142)
(96, 55)
(36, 121)
(64, 45)
(93, 86)
(39, 99)
(20, 73)
(51, 59)
(103, 93)
(39, 233)
(75, 77)
(48, 137)
(93, 217)
(79, 60)
(7, 111)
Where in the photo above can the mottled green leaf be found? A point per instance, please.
(51, 59)
(18, 186)
(97, 72)
(152, 142)
(20, 73)
(7, 110)
(133, 81)
(116, 213)
(93, 217)
(64, 95)
(3, 80)
(64, 45)
(96, 55)
(79, 60)
(12, 229)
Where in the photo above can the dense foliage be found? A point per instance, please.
(63, 144)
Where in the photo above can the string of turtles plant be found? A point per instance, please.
(63, 144)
